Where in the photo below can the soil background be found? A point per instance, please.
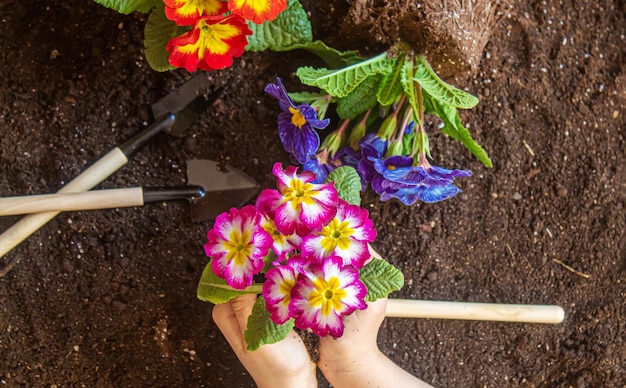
(107, 298)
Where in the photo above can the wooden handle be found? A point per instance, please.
(86, 200)
(406, 308)
(95, 174)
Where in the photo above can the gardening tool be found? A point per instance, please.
(173, 113)
(408, 308)
(212, 190)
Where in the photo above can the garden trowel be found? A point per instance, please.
(212, 190)
(172, 114)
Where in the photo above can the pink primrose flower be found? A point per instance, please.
(325, 293)
(282, 245)
(300, 206)
(279, 282)
(238, 243)
(345, 236)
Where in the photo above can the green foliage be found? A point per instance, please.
(291, 27)
(215, 290)
(129, 6)
(347, 183)
(383, 80)
(391, 86)
(341, 82)
(334, 59)
(406, 79)
(452, 127)
(441, 91)
(381, 279)
(362, 98)
(157, 32)
(261, 329)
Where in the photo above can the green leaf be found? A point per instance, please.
(214, 289)
(157, 32)
(261, 329)
(362, 98)
(129, 6)
(348, 184)
(408, 85)
(452, 127)
(339, 83)
(440, 90)
(307, 97)
(381, 279)
(291, 27)
(334, 59)
(390, 86)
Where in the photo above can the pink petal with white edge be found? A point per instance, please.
(358, 218)
(268, 201)
(277, 292)
(356, 254)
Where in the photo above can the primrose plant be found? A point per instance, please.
(208, 34)
(304, 247)
(381, 102)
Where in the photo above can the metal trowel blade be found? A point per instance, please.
(225, 187)
(187, 103)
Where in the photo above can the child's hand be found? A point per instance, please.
(283, 364)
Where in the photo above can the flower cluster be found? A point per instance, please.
(393, 161)
(218, 30)
(311, 244)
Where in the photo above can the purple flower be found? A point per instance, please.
(372, 148)
(296, 124)
(408, 183)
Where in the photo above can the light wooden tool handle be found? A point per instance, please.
(86, 200)
(407, 308)
(95, 174)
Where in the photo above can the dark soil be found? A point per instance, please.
(107, 298)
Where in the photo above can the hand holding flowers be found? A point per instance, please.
(311, 247)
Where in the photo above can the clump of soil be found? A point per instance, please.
(452, 34)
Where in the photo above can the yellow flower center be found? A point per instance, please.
(212, 39)
(327, 294)
(297, 118)
(285, 289)
(336, 234)
(299, 192)
(239, 246)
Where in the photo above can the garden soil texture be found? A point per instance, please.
(108, 298)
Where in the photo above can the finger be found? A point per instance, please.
(242, 308)
(225, 319)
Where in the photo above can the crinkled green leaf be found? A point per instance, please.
(362, 98)
(347, 183)
(261, 329)
(214, 289)
(339, 83)
(157, 32)
(452, 127)
(381, 279)
(390, 86)
(291, 27)
(440, 90)
(129, 6)
(334, 59)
